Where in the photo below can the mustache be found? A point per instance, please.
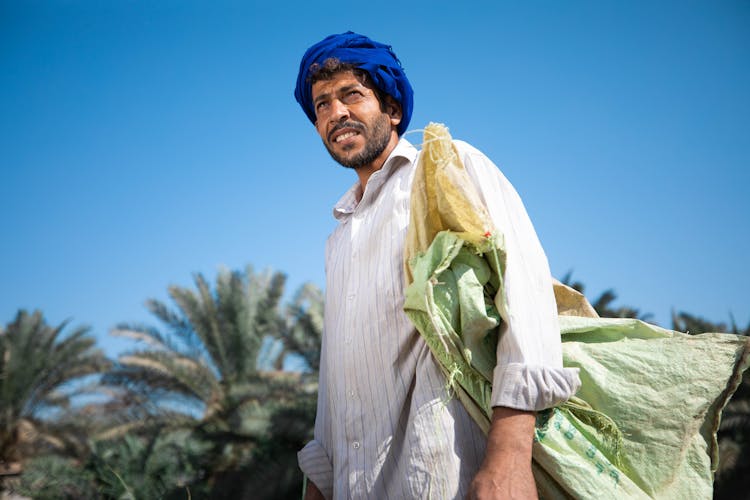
(350, 124)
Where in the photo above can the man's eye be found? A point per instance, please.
(321, 106)
(352, 96)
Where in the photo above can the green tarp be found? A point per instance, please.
(643, 424)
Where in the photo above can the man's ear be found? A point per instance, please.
(393, 108)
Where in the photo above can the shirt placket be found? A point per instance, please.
(353, 359)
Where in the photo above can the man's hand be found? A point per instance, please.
(506, 470)
(312, 492)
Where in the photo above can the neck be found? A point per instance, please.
(364, 172)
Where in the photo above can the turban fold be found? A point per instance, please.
(376, 58)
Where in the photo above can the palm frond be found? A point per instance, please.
(38, 368)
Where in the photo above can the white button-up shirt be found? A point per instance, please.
(386, 426)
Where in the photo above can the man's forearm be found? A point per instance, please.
(506, 470)
(511, 431)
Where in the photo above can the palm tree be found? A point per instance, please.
(694, 325)
(41, 371)
(603, 304)
(205, 368)
(52, 476)
(157, 464)
(274, 473)
(304, 333)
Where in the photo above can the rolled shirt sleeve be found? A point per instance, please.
(529, 374)
(315, 464)
(314, 459)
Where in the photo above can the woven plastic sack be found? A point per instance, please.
(643, 424)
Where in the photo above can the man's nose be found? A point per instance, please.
(339, 111)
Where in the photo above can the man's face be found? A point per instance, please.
(350, 120)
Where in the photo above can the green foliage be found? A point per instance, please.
(52, 477)
(156, 465)
(189, 412)
(273, 472)
(204, 368)
(41, 371)
(694, 325)
(689, 323)
(304, 333)
(211, 346)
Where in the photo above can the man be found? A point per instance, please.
(386, 426)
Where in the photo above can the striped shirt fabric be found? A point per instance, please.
(386, 426)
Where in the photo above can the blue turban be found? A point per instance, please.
(377, 59)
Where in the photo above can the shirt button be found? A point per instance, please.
(355, 445)
(351, 393)
(351, 297)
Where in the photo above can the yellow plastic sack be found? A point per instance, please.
(443, 198)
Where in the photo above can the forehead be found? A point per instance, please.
(338, 81)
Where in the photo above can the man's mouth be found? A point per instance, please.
(344, 131)
(345, 136)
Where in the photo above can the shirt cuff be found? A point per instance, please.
(315, 464)
(533, 388)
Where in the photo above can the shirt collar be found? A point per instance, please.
(351, 199)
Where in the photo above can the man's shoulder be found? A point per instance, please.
(480, 167)
(464, 146)
(471, 156)
(466, 150)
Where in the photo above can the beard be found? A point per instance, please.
(376, 141)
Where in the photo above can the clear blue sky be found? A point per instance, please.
(141, 142)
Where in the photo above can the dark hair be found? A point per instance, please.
(332, 66)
